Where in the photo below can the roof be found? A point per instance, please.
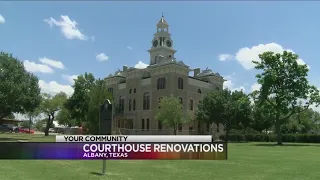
(13, 120)
(162, 21)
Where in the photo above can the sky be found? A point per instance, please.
(59, 40)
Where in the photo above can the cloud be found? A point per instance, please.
(34, 67)
(70, 79)
(68, 27)
(2, 20)
(53, 88)
(102, 57)
(246, 55)
(228, 84)
(255, 86)
(225, 57)
(141, 65)
(52, 63)
(129, 47)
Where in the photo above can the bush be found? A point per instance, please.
(296, 138)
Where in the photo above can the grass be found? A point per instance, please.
(247, 161)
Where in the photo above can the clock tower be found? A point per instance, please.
(162, 50)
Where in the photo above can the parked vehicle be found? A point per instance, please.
(4, 129)
(12, 127)
(51, 130)
(26, 130)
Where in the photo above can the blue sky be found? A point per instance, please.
(225, 37)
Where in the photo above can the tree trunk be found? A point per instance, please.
(30, 121)
(278, 131)
(46, 130)
(174, 131)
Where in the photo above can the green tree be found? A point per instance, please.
(50, 105)
(11, 116)
(263, 114)
(64, 117)
(302, 122)
(19, 90)
(171, 113)
(78, 103)
(31, 115)
(97, 96)
(25, 124)
(226, 108)
(285, 81)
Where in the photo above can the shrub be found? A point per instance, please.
(296, 138)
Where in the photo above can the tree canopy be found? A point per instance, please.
(284, 84)
(50, 105)
(225, 107)
(171, 113)
(97, 95)
(19, 89)
(78, 103)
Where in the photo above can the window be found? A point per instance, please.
(161, 83)
(134, 105)
(121, 103)
(217, 88)
(159, 102)
(218, 129)
(130, 105)
(180, 127)
(199, 91)
(159, 125)
(181, 100)
(119, 123)
(208, 127)
(130, 91)
(180, 83)
(190, 128)
(134, 90)
(148, 124)
(191, 104)
(110, 90)
(142, 124)
(146, 101)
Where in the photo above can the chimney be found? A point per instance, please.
(196, 72)
(124, 68)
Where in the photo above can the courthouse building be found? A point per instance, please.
(137, 92)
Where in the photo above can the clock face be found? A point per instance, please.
(169, 43)
(155, 43)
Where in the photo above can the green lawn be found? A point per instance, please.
(247, 161)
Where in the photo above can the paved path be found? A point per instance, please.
(37, 132)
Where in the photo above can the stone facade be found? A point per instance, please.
(137, 91)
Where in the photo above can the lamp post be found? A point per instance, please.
(105, 115)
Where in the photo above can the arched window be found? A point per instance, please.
(130, 105)
(199, 91)
(121, 103)
(110, 90)
(180, 83)
(134, 104)
(146, 101)
(191, 104)
(161, 83)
